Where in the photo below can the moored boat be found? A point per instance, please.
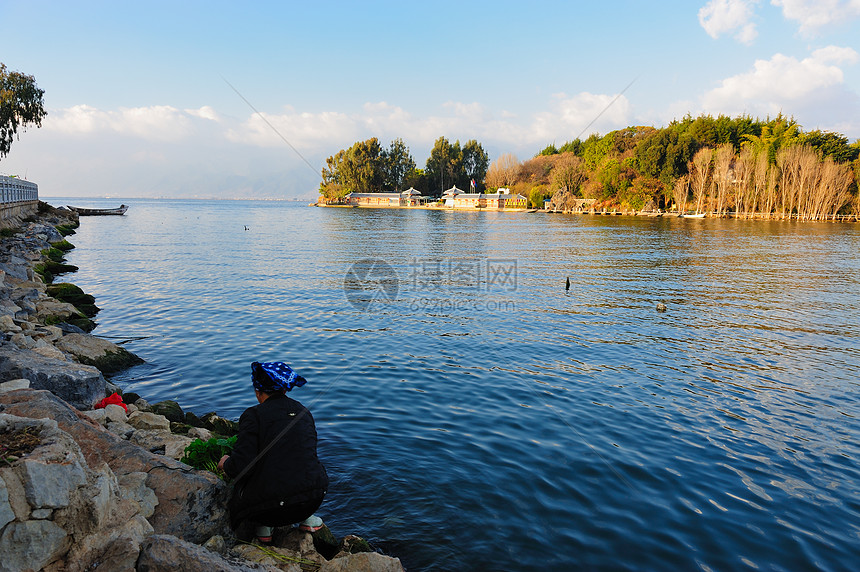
(97, 212)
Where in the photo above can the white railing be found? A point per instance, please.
(15, 190)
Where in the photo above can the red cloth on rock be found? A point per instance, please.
(115, 399)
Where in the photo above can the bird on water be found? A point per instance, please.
(567, 284)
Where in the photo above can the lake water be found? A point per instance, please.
(476, 415)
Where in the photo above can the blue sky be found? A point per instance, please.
(140, 103)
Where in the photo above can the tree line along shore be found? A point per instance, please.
(719, 166)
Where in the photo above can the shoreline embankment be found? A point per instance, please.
(84, 487)
(796, 217)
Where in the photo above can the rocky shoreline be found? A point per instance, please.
(84, 488)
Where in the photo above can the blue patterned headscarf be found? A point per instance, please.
(274, 376)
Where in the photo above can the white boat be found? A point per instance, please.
(697, 215)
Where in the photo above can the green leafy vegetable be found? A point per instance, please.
(202, 454)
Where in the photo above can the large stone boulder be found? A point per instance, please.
(97, 352)
(167, 553)
(170, 409)
(191, 503)
(363, 562)
(64, 514)
(79, 385)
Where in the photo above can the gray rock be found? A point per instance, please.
(133, 486)
(48, 333)
(200, 433)
(152, 440)
(113, 547)
(142, 404)
(97, 415)
(9, 308)
(120, 428)
(14, 270)
(191, 504)
(253, 553)
(70, 328)
(32, 545)
(148, 421)
(170, 409)
(79, 385)
(49, 351)
(8, 325)
(363, 562)
(49, 479)
(7, 515)
(16, 496)
(216, 544)
(45, 232)
(23, 341)
(14, 384)
(50, 310)
(115, 554)
(41, 514)
(174, 446)
(102, 354)
(162, 552)
(115, 413)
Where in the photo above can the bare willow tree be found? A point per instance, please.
(723, 176)
(503, 171)
(807, 181)
(680, 192)
(744, 171)
(761, 179)
(700, 175)
(835, 181)
(771, 189)
(787, 164)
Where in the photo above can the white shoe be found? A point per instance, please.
(311, 524)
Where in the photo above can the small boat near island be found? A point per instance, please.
(697, 215)
(99, 212)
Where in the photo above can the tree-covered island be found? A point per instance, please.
(748, 167)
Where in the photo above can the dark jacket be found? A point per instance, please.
(275, 459)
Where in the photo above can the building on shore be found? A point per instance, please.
(502, 199)
(409, 198)
(452, 198)
(373, 199)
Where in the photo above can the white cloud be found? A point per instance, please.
(719, 17)
(782, 83)
(158, 122)
(299, 129)
(205, 112)
(815, 14)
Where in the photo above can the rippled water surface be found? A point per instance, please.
(483, 417)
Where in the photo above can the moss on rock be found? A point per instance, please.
(170, 409)
(82, 322)
(63, 245)
(72, 294)
(42, 270)
(111, 362)
(66, 229)
(219, 425)
(56, 268)
(179, 428)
